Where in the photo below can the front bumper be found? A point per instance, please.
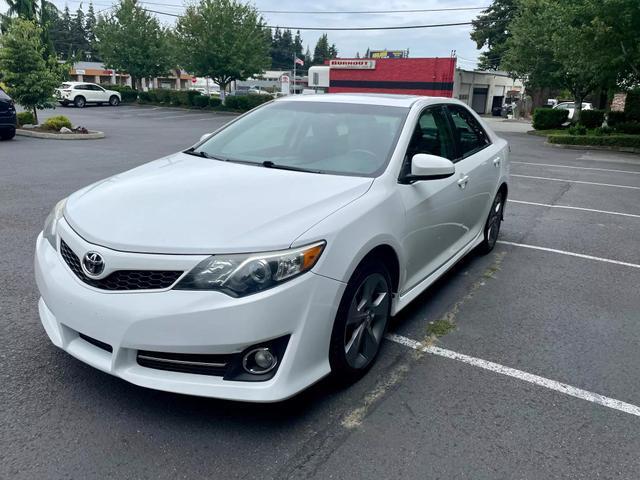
(188, 322)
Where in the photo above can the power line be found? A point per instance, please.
(284, 27)
(373, 12)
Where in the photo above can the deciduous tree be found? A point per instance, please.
(491, 30)
(225, 40)
(132, 40)
(31, 78)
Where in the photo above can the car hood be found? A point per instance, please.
(184, 204)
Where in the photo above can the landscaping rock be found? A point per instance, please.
(28, 126)
(65, 130)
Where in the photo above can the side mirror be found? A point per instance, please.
(429, 167)
(204, 137)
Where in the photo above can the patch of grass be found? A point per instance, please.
(440, 327)
(546, 133)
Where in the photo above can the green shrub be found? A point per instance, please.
(603, 131)
(631, 128)
(592, 118)
(577, 130)
(201, 101)
(160, 95)
(632, 105)
(56, 123)
(244, 103)
(192, 95)
(25, 118)
(144, 97)
(625, 141)
(214, 102)
(615, 118)
(548, 119)
(127, 94)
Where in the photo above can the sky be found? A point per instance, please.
(432, 42)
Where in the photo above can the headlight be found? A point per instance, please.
(243, 274)
(51, 223)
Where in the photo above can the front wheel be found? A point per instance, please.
(492, 226)
(114, 101)
(361, 322)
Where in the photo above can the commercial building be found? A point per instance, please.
(95, 72)
(433, 77)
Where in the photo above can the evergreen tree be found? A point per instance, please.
(297, 45)
(78, 35)
(89, 28)
(321, 52)
(308, 60)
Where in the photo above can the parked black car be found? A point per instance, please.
(7, 116)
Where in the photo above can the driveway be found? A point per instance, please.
(538, 379)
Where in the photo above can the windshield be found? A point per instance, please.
(324, 137)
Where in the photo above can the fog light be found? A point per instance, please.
(259, 361)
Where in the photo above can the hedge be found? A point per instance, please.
(626, 141)
(201, 101)
(592, 118)
(548, 119)
(245, 102)
(631, 128)
(127, 94)
(615, 118)
(25, 118)
(56, 123)
(632, 105)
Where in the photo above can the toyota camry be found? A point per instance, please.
(273, 252)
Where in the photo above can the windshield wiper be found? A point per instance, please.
(270, 164)
(201, 154)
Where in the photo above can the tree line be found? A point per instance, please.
(580, 46)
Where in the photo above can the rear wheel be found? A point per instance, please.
(492, 226)
(114, 101)
(80, 101)
(361, 322)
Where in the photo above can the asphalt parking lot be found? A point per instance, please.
(539, 379)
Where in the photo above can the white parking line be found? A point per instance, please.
(520, 375)
(574, 208)
(576, 181)
(578, 168)
(571, 254)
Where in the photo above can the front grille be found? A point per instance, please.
(121, 279)
(201, 364)
(103, 346)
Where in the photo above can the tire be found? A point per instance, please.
(361, 322)
(7, 134)
(492, 225)
(114, 101)
(79, 101)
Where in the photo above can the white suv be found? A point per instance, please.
(81, 93)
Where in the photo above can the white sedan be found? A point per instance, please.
(81, 93)
(273, 252)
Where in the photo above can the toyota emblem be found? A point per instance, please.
(93, 264)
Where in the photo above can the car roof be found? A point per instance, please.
(383, 99)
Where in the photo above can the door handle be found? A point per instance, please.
(496, 162)
(462, 183)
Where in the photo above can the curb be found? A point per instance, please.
(595, 147)
(182, 109)
(92, 135)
